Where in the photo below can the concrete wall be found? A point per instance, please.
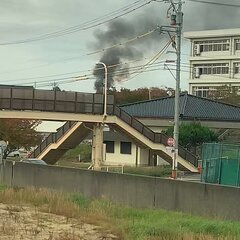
(138, 191)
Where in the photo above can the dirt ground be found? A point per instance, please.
(28, 223)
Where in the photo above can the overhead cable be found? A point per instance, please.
(80, 27)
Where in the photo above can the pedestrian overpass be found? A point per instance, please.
(82, 112)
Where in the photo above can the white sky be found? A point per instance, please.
(31, 18)
(49, 126)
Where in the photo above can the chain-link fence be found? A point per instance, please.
(221, 163)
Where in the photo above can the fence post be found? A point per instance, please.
(220, 163)
(237, 180)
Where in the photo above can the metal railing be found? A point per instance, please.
(13, 98)
(52, 138)
(154, 137)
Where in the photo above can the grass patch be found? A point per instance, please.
(158, 171)
(71, 157)
(84, 150)
(127, 223)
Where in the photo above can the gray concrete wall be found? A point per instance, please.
(138, 191)
(6, 171)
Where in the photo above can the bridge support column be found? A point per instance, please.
(97, 146)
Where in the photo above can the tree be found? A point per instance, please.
(193, 135)
(141, 94)
(226, 94)
(19, 133)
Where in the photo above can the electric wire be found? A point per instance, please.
(154, 59)
(123, 43)
(75, 72)
(86, 76)
(149, 69)
(94, 20)
(96, 51)
(77, 28)
(131, 71)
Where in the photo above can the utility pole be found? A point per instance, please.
(179, 23)
(176, 27)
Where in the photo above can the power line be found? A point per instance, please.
(96, 51)
(215, 3)
(123, 43)
(75, 72)
(152, 68)
(131, 71)
(87, 76)
(80, 27)
(154, 59)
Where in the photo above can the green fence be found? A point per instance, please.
(221, 164)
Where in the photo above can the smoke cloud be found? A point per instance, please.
(200, 16)
(120, 31)
(197, 16)
(116, 70)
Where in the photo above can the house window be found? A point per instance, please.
(126, 148)
(212, 45)
(109, 146)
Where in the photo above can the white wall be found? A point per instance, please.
(117, 158)
(143, 156)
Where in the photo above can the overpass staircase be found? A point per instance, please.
(72, 133)
(56, 144)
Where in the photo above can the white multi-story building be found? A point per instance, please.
(214, 60)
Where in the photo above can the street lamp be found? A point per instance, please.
(105, 88)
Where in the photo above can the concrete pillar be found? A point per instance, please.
(97, 146)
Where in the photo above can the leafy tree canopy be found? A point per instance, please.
(19, 133)
(193, 134)
(226, 94)
(128, 96)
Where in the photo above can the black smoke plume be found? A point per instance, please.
(197, 16)
(115, 69)
(114, 58)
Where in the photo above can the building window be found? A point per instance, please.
(126, 148)
(210, 69)
(237, 68)
(109, 146)
(203, 91)
(200, 91)
(237, 44)
(211, 46)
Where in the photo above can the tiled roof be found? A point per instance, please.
(191, 107)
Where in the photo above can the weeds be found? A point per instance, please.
(127, 223)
